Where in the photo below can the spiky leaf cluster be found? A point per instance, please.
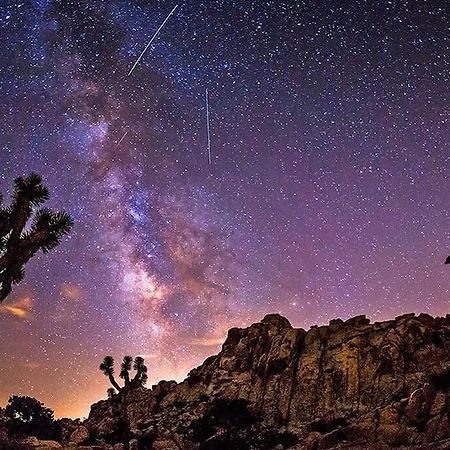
(19, 243)
(138, 365)
(141, 376)
(107, 366)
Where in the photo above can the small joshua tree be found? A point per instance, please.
(19, 244)
(139, 379)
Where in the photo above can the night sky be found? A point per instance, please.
(327, 196)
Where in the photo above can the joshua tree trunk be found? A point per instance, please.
(114, 383)
(126, 379)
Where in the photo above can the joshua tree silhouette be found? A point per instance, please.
(447, 261)
(18, 244)
(139, 379)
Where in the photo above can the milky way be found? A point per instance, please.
(327, 194)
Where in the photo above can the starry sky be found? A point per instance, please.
(327, 195)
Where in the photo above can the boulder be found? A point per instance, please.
(133, 445)
(36, 444)
(80, 435)
(119, 447)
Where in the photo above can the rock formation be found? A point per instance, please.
(352, 385)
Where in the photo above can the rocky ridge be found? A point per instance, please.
(351, 384)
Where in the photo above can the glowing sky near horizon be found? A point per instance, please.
(328, 194)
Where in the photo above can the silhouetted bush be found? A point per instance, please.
(27, 416)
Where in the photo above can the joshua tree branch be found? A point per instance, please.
(18, 246)
(114, 382)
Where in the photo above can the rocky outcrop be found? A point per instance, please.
(80, 435)
(342, 382)
(346, 385)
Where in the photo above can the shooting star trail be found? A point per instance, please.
(151, 40)
(122, 138)
(208, 129)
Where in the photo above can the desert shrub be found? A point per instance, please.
(26, 416)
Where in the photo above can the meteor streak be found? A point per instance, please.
(122, 138)
(151, 40)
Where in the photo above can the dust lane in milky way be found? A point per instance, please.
(327, 197)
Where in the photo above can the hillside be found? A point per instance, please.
(346, 385)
